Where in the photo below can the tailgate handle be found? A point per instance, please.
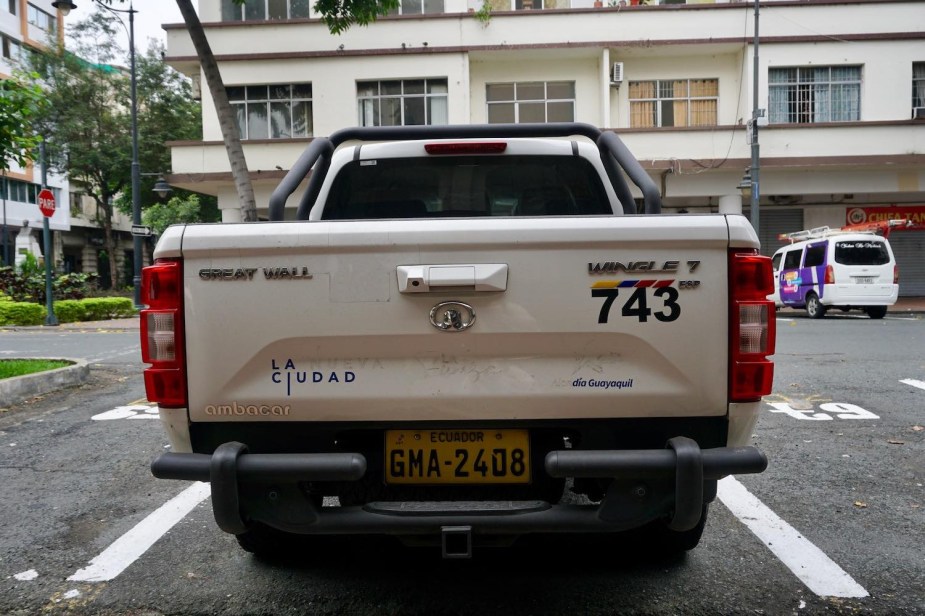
(437, 278)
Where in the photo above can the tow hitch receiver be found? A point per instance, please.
(456, 541)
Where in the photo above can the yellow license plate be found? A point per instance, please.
(448, 457)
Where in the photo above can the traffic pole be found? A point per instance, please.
(51, 319)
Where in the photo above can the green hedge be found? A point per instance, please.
(67, 310)
(102, 308)
(70, 311)
(21, 313)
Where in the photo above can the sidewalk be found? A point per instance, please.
(129, 324)
(909, 305)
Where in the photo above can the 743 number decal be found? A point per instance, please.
(665, 309)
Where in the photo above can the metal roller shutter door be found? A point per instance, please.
(774, 223)
(909, 250)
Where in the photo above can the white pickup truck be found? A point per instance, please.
(464, 335)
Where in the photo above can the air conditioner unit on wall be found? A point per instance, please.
(616, 74)
(918, 113)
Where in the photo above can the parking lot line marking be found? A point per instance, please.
(129, 547)
(914, 383)
(810, 564)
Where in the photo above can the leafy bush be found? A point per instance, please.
(22, 287)
(30, 266)
(28, 285)
(101, 308)
(70, 311)
(66, 311)
(74, 286)
(21, 313)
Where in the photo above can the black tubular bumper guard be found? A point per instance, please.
(682, 463)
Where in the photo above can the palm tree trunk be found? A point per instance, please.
(226, 116)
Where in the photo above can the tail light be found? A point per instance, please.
(162, 333)
(829, 274)
(752, 328)
(895, 274)
(465, 147)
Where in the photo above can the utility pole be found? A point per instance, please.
(756, 113)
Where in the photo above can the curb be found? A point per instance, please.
(19, 388)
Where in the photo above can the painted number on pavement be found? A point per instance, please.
(128, 412)
(841, 410)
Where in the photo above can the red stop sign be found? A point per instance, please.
(47, 202)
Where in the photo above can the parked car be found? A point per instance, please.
(829, 268)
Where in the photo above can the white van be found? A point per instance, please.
(836, 269)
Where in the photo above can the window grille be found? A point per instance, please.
(806, 95)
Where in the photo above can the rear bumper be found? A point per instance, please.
(671, 483)
(860, 295)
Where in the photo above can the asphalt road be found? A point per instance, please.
(836, 525)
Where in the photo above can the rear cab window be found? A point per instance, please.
(514, 185)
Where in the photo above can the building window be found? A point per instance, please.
(23, 192)
(673, 102)
(918, 89)
(531, 102)
(804, 95)
(402, 102)
(280, 111)
(538, 5)
(42, 20)
(14, 7)
(11, 49)
(418, 7)
(262, 10)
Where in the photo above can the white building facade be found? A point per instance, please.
(842, 84)
(28, 24)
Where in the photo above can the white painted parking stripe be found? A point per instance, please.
(136, 350)
(914, 383)
(819, 572)
(129, 547)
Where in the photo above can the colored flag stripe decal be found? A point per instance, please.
(631, 284)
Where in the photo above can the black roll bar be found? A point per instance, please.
(614, 154)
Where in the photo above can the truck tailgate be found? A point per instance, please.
(602, 316)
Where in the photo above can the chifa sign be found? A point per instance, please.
(47, 202)
(915, 214)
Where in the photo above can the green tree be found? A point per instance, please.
(179, 210)
(87, 122)
(338, 15)
(21, 100)
(166, 112)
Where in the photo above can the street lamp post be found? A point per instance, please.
(65, 6)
